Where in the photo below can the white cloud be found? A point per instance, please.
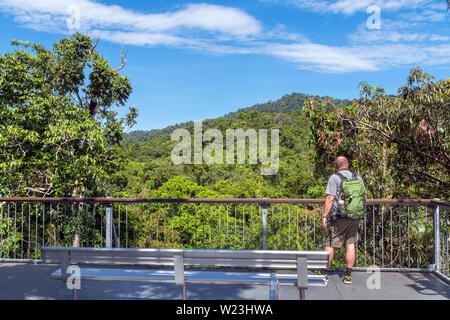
(411, 55)
(360, 58)
(163, 39)
(318, 6)
(322, 58)
(214, 29)
(206, 17)
(398, 31)
(382, 36)
(426, 15)
(351, 6)
(142, 38)
(438, 37)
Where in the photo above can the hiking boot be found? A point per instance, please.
(347, 278)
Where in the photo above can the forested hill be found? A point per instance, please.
(53, 144)
(288, 103)
(138, 136)
(149, 166)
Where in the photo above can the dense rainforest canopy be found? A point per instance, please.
(60, 135)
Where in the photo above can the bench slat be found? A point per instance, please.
(179, 258)
(256, 263)
(127, 252)
(193, 277)
(225, 258)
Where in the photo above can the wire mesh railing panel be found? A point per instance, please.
(445, 241)
(391, 235)
(396, 236)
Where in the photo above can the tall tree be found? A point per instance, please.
(399, 143)
(59, 118)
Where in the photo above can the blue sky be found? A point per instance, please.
(202, 59)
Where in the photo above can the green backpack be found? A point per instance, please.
(352, 197)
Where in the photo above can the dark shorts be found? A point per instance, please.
(341, 232)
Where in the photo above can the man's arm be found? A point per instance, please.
(326, 210)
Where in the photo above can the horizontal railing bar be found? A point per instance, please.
(21, 261)
(441, 203)
(143, 200)
(396, 233)
(441, 276)
(107, 201)
(365, 269)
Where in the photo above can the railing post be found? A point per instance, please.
(108, 226)
(437, 237)
(264, 207)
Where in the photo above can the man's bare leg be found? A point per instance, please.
(330, 250)
(350, 255)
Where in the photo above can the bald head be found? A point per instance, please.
(341, 163)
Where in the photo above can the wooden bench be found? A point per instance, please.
(264, 266)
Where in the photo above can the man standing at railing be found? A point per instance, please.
(345, 201)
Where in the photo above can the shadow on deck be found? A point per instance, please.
(31, 282)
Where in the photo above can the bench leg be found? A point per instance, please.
(273, 291)
(302, 293)
(276, 290)
(184, 292)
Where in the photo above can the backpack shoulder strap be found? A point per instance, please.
(341, 176)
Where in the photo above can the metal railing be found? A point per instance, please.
(409, 235)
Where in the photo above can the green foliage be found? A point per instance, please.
(288, 103)
(152, 165)
(60, 135)
(213, 226)
(138, 136)
(56, 127)
(399, 144)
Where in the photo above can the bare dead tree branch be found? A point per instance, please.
(122, 57)
(91, 51)
(37, 190)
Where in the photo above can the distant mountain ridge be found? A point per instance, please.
(139, 136)
(288, 103)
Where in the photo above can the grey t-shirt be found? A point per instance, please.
(334, 186)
